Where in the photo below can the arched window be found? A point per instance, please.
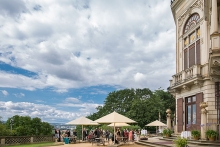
(191, 41)
(192, 21)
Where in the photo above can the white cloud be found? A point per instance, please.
(19, 95)
(45, 112)
(85, 43)
(4, 92)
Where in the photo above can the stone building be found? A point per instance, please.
(196, 83)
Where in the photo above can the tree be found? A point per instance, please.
(141, 105)
(26, 126)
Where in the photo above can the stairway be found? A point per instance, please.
(168, 142)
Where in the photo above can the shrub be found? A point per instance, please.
(195, 133)
(180, 142)
(167, 132)
(211, 133)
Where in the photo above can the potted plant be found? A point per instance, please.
(180, 142)
(167, 132)
(195, 134)
(211, 134)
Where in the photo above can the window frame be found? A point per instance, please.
(191, 103)
(186, 35)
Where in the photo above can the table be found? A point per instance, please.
(99, 141)
(186, 134)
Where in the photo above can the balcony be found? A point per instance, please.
(186, 78)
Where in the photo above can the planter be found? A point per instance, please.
(167, 135)
(211, 138)
(196, 138)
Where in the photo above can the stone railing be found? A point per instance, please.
(186, 75)
(10, 140)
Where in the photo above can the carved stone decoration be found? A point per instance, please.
(201, 40)
(215, 79)
(197, 4)
(198, 83)
(203, 105)
(168, 111)
(215, 72)
(186, 87)
(216, 61)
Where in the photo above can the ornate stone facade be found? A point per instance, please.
(198, 64)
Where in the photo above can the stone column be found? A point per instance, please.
(203, 105)
(214, 17)
(2, 141)
(168, 118)
(159, 120)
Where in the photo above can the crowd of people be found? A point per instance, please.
(59, 135)
(120, 134)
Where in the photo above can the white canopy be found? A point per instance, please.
(118, 124)
(82, 121)
(156, 123)
(114, 117)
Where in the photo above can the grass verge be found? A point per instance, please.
(36, 144)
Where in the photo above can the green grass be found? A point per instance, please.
(35, 145)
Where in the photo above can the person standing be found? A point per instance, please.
(130, 135)
(84, 134)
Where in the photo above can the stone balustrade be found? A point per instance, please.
(193, 72)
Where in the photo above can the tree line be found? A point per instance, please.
(24, 126)
(141, 105)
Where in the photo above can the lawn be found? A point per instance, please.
(35, 145)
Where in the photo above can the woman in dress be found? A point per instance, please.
(131, 135)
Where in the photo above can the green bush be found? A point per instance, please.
(211, 133)
(195, 133)
(167, 132)
(180, 142)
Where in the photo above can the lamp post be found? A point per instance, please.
(11, 123)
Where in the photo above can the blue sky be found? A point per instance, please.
(60, 59)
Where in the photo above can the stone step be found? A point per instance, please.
(196, 142)
(150, 144)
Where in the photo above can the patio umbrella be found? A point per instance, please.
(156, 123)
(118, 124)
(82, 121)
(114, 118)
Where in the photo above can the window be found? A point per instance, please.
(191, 110)
(191, 42)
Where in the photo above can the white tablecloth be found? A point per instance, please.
(186, 134)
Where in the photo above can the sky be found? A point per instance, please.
(59, 59)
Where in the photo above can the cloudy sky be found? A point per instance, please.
(59, 59)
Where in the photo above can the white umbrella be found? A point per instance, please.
(118, 124)
(156, 123)
(82, 121)
(114, 117)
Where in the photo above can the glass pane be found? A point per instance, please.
(189, 114)
(189, 99)
(194, 98)
(198, 33)
(192, 37)
(194, 114)
(186, 42)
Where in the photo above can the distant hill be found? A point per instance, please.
(63, 126)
